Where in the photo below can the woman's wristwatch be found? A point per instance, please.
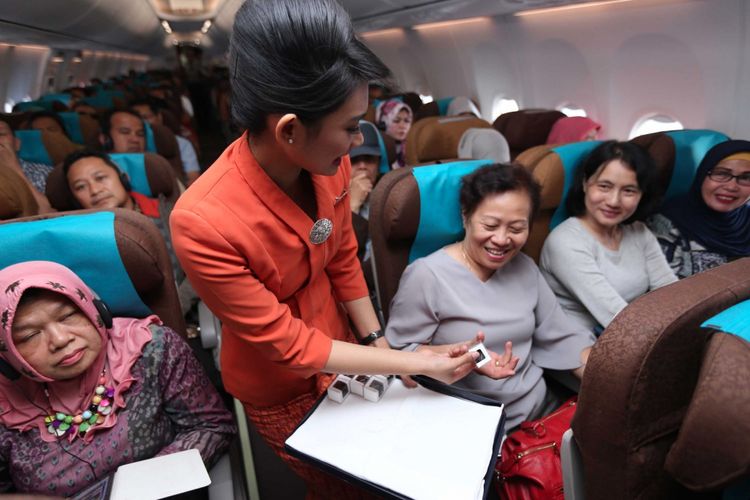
(371, 337)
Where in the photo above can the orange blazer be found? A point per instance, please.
(245, 246)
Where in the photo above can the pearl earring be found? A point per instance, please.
(291, 141)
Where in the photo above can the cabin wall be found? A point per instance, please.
(23, 71)
(620, 62)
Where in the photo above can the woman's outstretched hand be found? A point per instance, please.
(500, 365)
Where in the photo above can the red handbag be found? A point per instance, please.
(529, 466)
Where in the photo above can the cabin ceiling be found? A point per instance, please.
(134, 26)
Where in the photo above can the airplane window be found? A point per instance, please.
(502, 105)
(426, 98)
(9, 105)
(655, 123)
(571, 109)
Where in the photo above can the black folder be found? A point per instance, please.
(313, 426)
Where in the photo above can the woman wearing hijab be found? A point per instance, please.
(462, 106)
(395, 118)
(265, 235)
(83, 393)
(573, 129)
(484, 144)
(710, 225)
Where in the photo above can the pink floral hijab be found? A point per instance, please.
(23, 403)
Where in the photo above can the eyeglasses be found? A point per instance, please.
(726, 176)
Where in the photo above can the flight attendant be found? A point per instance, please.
(265, 234)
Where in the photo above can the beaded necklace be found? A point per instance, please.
(61, 423)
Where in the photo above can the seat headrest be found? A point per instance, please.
(526, 128)
(712, 448)
(42, 146)
(437, 137)
(120, 254)
(72, 123)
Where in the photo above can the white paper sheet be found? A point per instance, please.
(160, 477)
(417, 442)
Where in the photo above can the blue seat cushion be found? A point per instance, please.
(134, 164)
(32, 147)
(735, 320)
(439, 209)
(84, 243)
(571, 156)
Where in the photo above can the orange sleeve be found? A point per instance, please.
(229, 287)
(344, 269)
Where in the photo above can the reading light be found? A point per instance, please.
(445, 24)
(561, 8)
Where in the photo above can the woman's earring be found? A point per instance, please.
(291, 141)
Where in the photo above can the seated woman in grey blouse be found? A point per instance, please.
(601, 258)
(483, 283)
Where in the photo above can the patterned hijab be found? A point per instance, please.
(23, 403)
(385, 114)
(727, 233)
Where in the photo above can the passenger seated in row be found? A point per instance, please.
(484, 283)
(600, 259)
(365, 169)
(394, 118)
(151, 114)
(573, 129)
(96, 182)
(86, 110)
(122, 132)
(83, 393)
(49, 121)
(710, 225)
(462, 106)
(35, 174)
(484, 144)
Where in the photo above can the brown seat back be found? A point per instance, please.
(437, 137)
(16, 199)
(166, 146)
(142, 252)
(641, 379)
(526, 128)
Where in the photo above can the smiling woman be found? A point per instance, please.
(601, 259)
(484, 283)
(710, 225)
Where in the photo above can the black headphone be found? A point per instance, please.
(108, 144)
(9, 372)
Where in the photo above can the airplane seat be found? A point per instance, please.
(526, 128)
(370, 114)
(437, 137)
(164, 142)
(16, 199)
(149, 174)
(678, 154)
(413, 212)
(553, 168)
(15, 119)
(426, 111)
(41, 146)
(82, 129)
(170, 121)
(662, 411)
(130, 268)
